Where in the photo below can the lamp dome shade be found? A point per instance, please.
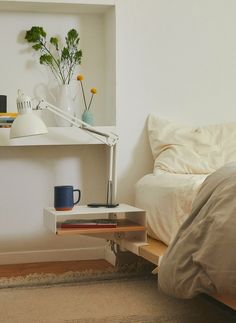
(27, 125)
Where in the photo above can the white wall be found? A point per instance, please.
(176, 59)
(28, 175)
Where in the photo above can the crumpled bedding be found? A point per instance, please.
(202, 257)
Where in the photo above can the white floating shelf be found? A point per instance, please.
(57, 6)
(131, 224)
(55, 136)
(77, 211)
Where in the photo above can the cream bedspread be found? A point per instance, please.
(167, 199)
(201, 258)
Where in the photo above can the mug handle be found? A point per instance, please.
(78, 196)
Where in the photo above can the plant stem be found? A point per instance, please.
(70, 68)
(55, 61)
(83, 95)
(71, 71)
(90, 101)
(54, 72)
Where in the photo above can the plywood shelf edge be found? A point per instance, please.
(123, 226)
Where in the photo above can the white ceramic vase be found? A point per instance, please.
(64, 101)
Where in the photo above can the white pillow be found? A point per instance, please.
(191, 150)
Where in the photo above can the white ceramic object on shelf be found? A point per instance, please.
(64, 101)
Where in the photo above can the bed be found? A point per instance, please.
(190, 166)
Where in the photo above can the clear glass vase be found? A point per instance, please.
(64, 101)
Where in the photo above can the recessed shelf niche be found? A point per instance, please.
(20, 68)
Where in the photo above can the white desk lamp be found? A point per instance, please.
(29, 124)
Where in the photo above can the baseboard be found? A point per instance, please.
(21, 257)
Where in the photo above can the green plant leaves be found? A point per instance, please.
(65, 54)
(35, 34)
(78, 56)
(54, 41)
(37, 46)
(61, 60)
(72, 37)
(46, 59)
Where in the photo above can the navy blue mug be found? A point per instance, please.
(3, 103)
(64, 197)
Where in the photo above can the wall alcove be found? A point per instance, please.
(66, 155)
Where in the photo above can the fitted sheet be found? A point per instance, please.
(167, 199)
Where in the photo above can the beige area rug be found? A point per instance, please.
(133, 300)
(44, 279)
(137, 269)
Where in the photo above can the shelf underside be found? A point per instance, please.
(58, 6)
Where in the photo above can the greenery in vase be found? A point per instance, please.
(61, 60)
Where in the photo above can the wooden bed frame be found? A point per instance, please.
(155, 249)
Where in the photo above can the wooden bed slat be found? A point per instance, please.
(153, 250)
(227, 300)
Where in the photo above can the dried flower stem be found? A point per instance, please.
(90, 101)
(93, 91)
(83, 95)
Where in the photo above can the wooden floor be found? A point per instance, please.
(58, 267)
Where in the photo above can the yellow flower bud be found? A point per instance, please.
(94, 90)
(80, 78)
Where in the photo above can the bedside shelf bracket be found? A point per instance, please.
(119, 235)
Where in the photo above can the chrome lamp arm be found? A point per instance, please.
(28, 124)
(109, 139)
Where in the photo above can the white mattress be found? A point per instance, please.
(167, 198)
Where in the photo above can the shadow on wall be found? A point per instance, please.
(139, 163)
